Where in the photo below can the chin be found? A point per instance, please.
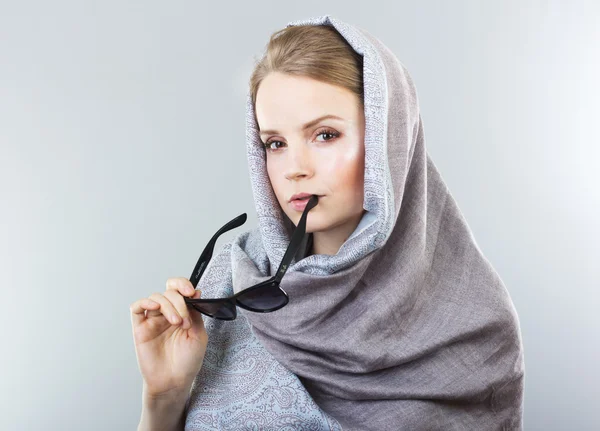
(313, 224)
(316, 225)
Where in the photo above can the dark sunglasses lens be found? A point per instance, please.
(263, 298)
(219, 310)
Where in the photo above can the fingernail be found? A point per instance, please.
(174, 319)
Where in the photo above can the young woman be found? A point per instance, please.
(395, 318)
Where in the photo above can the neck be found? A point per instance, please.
(330, 241)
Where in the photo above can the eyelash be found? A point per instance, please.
(322, 132)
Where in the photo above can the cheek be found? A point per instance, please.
(275, 175)
(345, 170)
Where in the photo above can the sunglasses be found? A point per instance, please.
(263, 297)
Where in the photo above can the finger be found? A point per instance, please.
(166, 309)
(182, 285)
(139, 307)
(180, 305)
(195, 315)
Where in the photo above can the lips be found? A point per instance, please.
(300, 196)
(301, 201)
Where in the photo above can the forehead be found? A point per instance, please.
(284, 100)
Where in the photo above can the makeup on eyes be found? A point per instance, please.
(325, 131)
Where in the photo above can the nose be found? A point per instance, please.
(299, 162)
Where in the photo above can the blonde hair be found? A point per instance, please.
(313, 51)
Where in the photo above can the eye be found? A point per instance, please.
(267, 145)
(331, 133)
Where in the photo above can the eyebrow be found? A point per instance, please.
(307, 125)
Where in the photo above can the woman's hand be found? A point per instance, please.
(170, 339)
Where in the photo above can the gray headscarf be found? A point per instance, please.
(408, 326)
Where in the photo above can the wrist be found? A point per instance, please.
(166, 411)
(174, 396)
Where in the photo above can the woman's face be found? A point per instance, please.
(325, 158)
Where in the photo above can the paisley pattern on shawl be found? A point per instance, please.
(241, 386)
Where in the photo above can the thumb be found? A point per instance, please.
(195, 315)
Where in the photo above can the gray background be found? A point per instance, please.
(123, 150)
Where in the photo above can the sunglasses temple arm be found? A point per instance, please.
(202, 263)
(208, 250)
(296, 239)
